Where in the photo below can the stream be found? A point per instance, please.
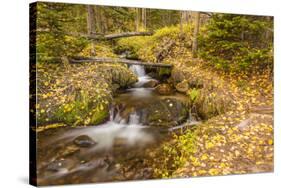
(114, 151)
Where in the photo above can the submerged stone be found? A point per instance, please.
(164, 89)
(84, 141)
(70, 150)
(56, 166)
(150, 84)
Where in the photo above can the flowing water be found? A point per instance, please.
(112, 151)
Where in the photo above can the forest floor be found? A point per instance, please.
(239, 140)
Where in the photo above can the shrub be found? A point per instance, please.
(237, 43)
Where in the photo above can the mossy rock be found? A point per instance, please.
(164, 89)
(166, 112)
(182, 87)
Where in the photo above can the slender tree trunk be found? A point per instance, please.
(195, 34)
(186, 19)
(91, 25)
(143, 16)
(268, 33)
(103, 21)
(90, 21)
(137, 19)
(98, 19)
(181, 22)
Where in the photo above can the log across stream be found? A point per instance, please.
(115, 150)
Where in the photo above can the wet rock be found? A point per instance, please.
(123, 76)
(166, 112)
(150, 84)
(182, 86)
(56, 166)
(164, 89)
(84, 141)
(125, 114)
(70, 150)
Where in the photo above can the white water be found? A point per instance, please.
(142, 77)
(138, 70)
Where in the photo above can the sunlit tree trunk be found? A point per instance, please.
(195, 34)
(143, 17)
(90, 20)
(183, 20)
(137, 19)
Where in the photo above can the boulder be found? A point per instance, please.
(182, 87)
(150, 84)
(166, 112)
(164, 89)
(177, 76)
(84, 141)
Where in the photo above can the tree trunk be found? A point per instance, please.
(181, 22)
(117, 60)
(98, 19)
(195, 34)
(98, 36)
(103, 21)
(143, 16)
(90, 21)
(137, 19)
(91, 25)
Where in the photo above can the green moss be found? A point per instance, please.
(164, 72)
(99, 116)
(146, 48)
(175, 154)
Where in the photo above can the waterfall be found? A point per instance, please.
(138, 70)
(134, 119)
(142, 77)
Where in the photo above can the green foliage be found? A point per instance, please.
(82, 111)
(162, 18)
(237, 42)
(164, 72)
(176, 154)
(147, 47)
(54, 22)
(132, 45)
(193, 94)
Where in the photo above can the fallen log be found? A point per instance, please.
(183, 126)
(110, 36)
(117, 60)
(127, 34)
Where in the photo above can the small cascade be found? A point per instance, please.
(142, 76)
(138, 70)
(134, 119)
